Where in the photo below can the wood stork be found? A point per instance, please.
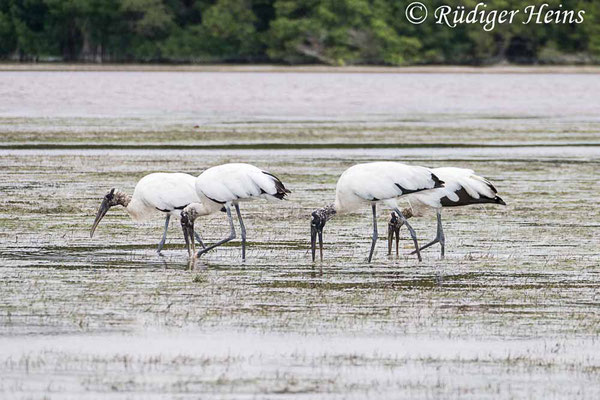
(372, 183)
(160, 192)
(462, 187)
(226, 185)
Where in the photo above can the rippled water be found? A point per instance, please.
(512, 312)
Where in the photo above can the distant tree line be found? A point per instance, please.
(336, 32)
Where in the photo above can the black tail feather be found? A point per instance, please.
(491, 186)
(282, 191)
(438, 182)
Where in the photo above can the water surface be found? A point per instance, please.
(512, 312)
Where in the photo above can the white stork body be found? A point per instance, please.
(225, 185)
(372, 183)
(236, 182)
(156, 193)
(162, 193)
(462, 187)
(380, 182)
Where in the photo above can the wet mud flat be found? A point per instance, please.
(512, 312)
(513, 306)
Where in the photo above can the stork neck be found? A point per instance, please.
(122, 199)
(195, 210)
(407, 213)
(328, 211)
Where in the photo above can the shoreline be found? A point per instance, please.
(270, 68)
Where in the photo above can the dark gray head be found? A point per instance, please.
(395, 223)
(318, 220)
(111, 199)
(188, 216)
(393, 220)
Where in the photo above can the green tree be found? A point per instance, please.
(28, 20)
(148, 21)
(336, 32)
(8, 36)
(230, 30)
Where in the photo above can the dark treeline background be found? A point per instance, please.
(334, 32)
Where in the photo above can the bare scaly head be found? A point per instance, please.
(111, 199)
(319, 218)
(188, 216)
(394, 226)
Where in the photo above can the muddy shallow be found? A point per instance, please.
(512, 312)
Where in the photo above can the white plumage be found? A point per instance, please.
(225, 185)
(372, 183)
(380, 182)
(462, 187)
(162, 192)
(235, 182)
(156, 193)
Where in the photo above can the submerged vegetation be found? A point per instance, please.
(512, 312)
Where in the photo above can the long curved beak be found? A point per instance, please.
(313, 242)
(187, 226)
(321, 244)
(390, 237)
(104, 207)
(394, 229)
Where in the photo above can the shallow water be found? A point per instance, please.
(512, 312)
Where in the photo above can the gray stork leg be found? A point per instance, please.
(164, 238)
(439, 238)
(228, 239)
(413, 234)
(441, 235)
(243, 228)
(199, 239)
(374, 207)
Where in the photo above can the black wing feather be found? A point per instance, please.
(465, 199)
